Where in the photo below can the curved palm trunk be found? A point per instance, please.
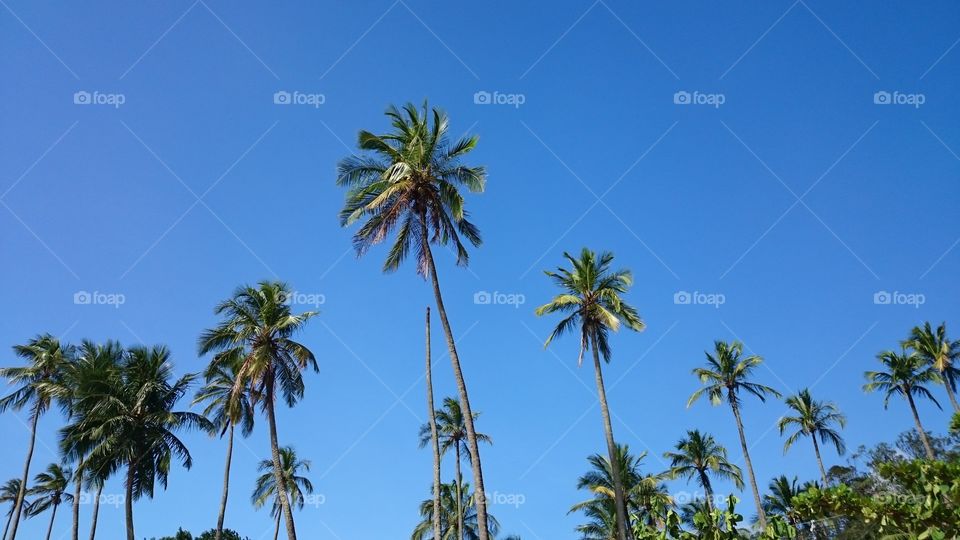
(276, 528)
(128, 503)
(18, 505)
(226, 486)
(434, 442)
(53, 516)
(618, 493)
(951, 395)
(277, 467)
(816, 449)
(7, 526)
(708, 490)
(96, 512)
(761, 515)
(76, 502)
(459, 495)
(480, 495)
(916, 419)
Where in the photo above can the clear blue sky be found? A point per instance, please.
(693, 197)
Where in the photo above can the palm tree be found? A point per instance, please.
(727, 375)
(129, 424)
(451, 513)
(293, 482)
(697, 457)
(452, 434)
(592, 304)
(434, 442)
(9, 492)
(813, 419)
(258, 327)
(226, 409)
(906, 375)
(409, 180)
(940, 352)
(780, 499)
(50, 488)
(45, 358)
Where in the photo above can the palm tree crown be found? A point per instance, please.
(813, 419)
(449, 509)
(293, 468)
(698, 456)
(906, 375)
(46, 357)
(451, 429)
(940, 352)
(727, 374)
(591, 300)
(224, 406)
(50, 488)
(409, 179)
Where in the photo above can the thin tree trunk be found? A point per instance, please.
(128, 503)
(226, 486)
(618, 494)
(276, 528)
(434, 440)
(96, 512)
(708, 490)
(923, 434)
(277, 467)
(7, 526)
(816, 449)
(480, 496)
(76, 502)
(459, 494)
(53, 516)
(761, 515)
(951, 395)
(18, 505)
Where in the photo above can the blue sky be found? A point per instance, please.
(797, 199)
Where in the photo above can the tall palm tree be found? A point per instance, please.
(780, 499)
(409, 180)
(813, 419)
(434, 442)
(697, 457)
(130, 425)
(592, 305)
(726, 375)
(50, 488)
(451, 513)
(226, 409)
(452, 434)
(45, 357)
(294, 483)
(906, 375)
(258, 327)
(9, 492)
(941, 353)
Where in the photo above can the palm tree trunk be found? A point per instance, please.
(226, 485)
(7, 526)
(459, 494)
(708, 490)
(128, 503)
(816, 449)
(276, 528)
(618, 495)
(480, 495)
(761, 515)
(923, 434)
(96, 512)
(277, 467)
(53, 515)
(951, 395)
(435, 443)
(18, 505)
(76, 502)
